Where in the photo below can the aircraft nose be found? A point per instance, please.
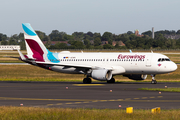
(173, 67)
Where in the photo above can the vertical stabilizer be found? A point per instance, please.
(35, 47)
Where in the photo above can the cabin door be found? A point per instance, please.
(148, 60)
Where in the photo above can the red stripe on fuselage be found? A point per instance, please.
(36, 49)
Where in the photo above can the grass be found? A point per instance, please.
(31, 113)
(162, 89)
(33, 73)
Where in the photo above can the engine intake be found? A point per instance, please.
(102, 74)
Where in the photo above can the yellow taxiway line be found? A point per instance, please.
(88, 84)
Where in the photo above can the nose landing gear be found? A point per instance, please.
(153, 79)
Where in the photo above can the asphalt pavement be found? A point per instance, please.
(96, 95)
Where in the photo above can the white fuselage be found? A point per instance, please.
(119, 63)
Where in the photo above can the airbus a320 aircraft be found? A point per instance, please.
(99, 66)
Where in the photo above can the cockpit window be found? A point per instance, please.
(166, 59)
(163, 59)
(159, 59)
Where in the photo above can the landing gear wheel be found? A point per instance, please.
(153, 79)
(153, 82)
(86, 80)
(112, 80)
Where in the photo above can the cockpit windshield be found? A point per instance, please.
(163, 59)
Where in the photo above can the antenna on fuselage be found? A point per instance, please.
(151, 51)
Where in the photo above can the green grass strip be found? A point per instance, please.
(31, 113)
(162, 89)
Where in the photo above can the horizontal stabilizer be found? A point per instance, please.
(21, 55)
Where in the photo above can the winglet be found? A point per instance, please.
(21, 55)
(130, 51)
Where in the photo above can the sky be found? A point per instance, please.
(115, 16)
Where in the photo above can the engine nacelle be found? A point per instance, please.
(136, 76)
(101, 74)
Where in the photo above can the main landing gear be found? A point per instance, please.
(112, 80)
(153, 79)
(87, 80)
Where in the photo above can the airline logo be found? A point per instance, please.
(159, 64)
(140, 57)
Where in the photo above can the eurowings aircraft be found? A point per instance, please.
(99, 66)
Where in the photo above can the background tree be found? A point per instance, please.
(42, 35)
(129, 32)
(97, 41)
(149, 33)
(108, 46)
(106, 36)
(3, 37)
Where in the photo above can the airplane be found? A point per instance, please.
(96, 65)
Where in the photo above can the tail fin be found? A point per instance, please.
(35, 47)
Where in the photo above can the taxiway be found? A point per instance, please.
(96, 95)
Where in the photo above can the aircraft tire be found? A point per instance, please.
(153, 82)
(112, 80)
(86, 80)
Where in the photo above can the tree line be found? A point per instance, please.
(108, 40)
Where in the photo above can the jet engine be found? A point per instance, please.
(136, 76)
(102, 74)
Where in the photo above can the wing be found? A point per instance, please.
(69, 65)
